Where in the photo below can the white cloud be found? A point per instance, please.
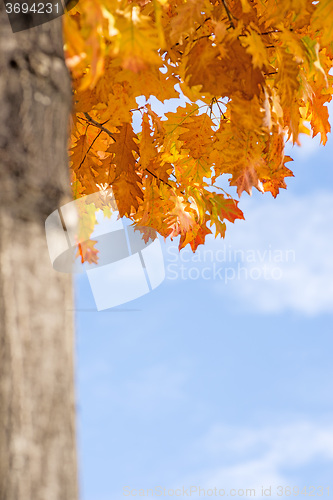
(260, 457)
(304, 228)
(280, 258)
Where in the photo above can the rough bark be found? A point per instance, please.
(37, 411)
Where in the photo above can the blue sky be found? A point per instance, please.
(214, 383)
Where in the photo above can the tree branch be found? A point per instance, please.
(99, 125)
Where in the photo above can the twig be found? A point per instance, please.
(161, 180)
(99, 125)
(196, 29)
(200, 37)
(137, 109)
(91, 145)
(270, 32)
(228, 13)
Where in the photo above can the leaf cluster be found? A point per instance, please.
(249, 75)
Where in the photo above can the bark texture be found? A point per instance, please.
(37, 410)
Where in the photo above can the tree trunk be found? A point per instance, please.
(37, 413)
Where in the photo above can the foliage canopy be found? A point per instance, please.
(251, 74)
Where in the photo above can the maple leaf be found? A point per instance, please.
(288, 84)
(148, 233)
(223, 75)
(247, 179)
(182, 219)
(137, 41)
(118, 103)
(199, 135)
(276, 180)
(322, 21)
(87, 252)
(80, 149)
(250, 114)
(221, 208)
(256, 48)
(194, 169)
(188, 16)
(240, 153)
(319, 117)
(151, 81)
(123, 148)
(199, 238)
(127, 192)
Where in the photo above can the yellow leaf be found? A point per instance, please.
(137, 41)
(184, 22)
(319, 117)
(322, 20)
(256, 48)
(123, 149)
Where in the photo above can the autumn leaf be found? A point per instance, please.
(319, 117)
(128, 183)
(123, 149)
(276, 181)
(198, 138)
(187, 17)
(256, 48)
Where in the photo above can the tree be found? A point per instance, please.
(37, 427)
(254, 73)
